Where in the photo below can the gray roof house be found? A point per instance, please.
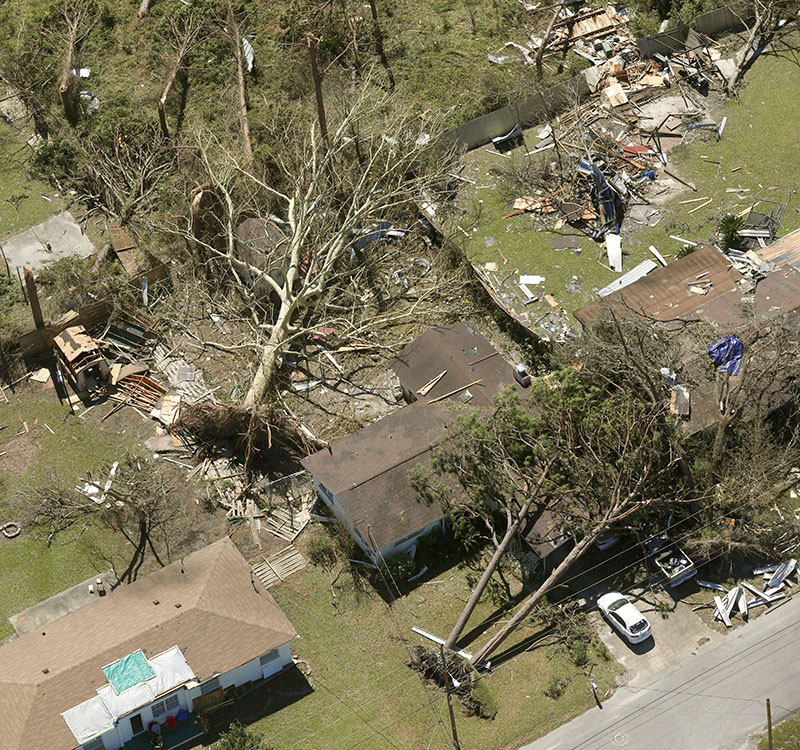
(364, 477)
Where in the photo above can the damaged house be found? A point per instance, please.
(152, 653)
(706, 287)
(364, 479)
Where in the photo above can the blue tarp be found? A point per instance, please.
(726, 354)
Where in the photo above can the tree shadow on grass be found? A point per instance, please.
(490, 620)
(269, 698)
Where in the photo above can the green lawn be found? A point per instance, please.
(786, 736)
(760, 138)
(21, 202)
(356, 648)
(32, 570)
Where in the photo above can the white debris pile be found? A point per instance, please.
(736, 599)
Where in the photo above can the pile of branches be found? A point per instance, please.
(428, 662)
(260, 432)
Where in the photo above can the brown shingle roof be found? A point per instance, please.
(664, 294)
(368, 471)
(225, 619)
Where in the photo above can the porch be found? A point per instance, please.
(180, 735)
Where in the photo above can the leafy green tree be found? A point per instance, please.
(609, 461)
(590, 455)
(239, 737)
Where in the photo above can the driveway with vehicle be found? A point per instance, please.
(677, 632)
(712, 700)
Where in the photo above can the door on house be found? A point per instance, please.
(137, 726)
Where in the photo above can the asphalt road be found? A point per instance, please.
(713, 700)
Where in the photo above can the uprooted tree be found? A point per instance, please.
(377, 167)
(498, 502)
(598, 456)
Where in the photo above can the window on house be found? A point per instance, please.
(207, 687)
(95, 744)
(267, 658)
(162, 707)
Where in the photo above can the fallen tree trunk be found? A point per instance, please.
(144, 9)
(185, 40)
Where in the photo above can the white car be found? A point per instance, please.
(624, 617)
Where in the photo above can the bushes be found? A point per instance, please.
(401, 567)
(555, 687)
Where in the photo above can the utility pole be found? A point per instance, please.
(769, 725)
(456, 746)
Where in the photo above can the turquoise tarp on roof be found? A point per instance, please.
(128, 672)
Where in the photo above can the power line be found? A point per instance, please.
(382, 695)
(573, 595)
(737, 665)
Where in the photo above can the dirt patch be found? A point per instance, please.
(18, 452)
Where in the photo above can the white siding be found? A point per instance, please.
(111, 739)
(249, 672)
(405, 545)
(410, 542)
(284, 658)
(327, 497)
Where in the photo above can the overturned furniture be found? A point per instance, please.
(81, 359)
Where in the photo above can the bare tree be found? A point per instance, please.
(324, 199)
(235, 32)
(378, 36)
(771, 20)
(185, 35)
(137, 506)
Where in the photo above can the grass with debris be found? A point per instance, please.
(759, 142)
(364, 696)
(32, 569)
(759, 139)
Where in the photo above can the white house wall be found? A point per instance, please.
(404, 545)
(328, 498)
(276, 665)
(248, 672)
(409, 543)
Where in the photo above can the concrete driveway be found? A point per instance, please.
(713, 700)
(677, 633)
